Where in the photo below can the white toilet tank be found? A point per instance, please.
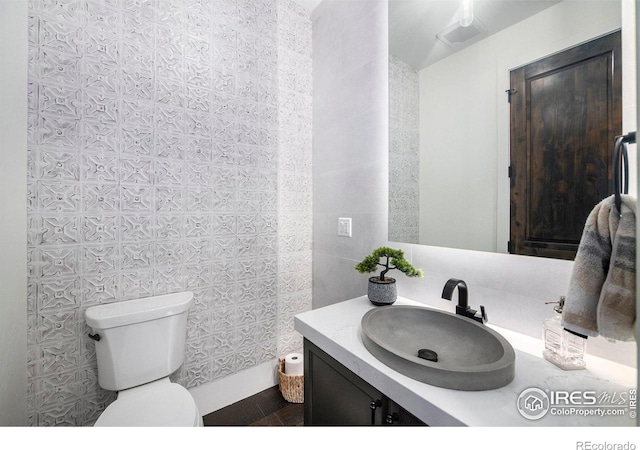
(139, 341)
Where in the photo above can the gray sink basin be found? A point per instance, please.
(470, 356)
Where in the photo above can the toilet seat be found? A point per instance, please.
(157, 404)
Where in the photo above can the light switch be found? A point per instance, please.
(344, 226)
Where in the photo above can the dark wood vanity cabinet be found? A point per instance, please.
(333, 395)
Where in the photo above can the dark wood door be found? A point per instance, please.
(566, 111)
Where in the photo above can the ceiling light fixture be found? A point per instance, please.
(466, 16)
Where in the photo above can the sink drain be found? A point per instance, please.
(427, 354)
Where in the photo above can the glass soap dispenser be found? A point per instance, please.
(561, 347)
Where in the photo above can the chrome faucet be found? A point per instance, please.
(462, 308)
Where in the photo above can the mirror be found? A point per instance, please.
(449, 114)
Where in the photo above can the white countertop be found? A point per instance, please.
(336, 330)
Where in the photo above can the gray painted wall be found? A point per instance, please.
(350, 148)
(13, 220)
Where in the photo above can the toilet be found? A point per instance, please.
(139, 344)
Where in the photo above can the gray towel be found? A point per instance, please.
(601, 298)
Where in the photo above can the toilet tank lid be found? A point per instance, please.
(118, 314)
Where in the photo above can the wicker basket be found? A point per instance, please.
(291, 386)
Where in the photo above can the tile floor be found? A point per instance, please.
(266, 408)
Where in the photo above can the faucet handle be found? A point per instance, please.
(483, 313)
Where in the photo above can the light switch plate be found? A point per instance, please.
(344, 226)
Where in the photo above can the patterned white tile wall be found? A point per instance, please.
(295, 208)
(404, 152)
(169, 149)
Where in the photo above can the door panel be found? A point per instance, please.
(565, 113)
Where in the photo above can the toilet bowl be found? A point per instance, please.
(139, 344)
(160, 403)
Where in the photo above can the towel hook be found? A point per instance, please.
(621, 163)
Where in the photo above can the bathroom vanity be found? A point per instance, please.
(347, 385)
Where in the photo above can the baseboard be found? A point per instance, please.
(226, 391)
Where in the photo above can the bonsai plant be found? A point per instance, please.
(382, 289)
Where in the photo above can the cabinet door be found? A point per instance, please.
(397, 415)
(333, 395)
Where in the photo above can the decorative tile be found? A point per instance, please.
(137, 141)
(138, 79)
(60, 359)
(267, 310)
(224, 247)
(223, 341)
(248, 202)
(136, 114)
(59, 100)
(100, 228)
(100, 198)
(58, 262)
(59, 230)
(224, 225)
(203, 301)
(159, 136)
(57, 131)
(56, 327)
(247, 358)
(167, 280)
(100, 258)
(169, 145)
(247, 269)
(100, 77)
(224, 295)
(197, 251)
(197, 225)
(99, 137)
(199, 327)
(169, 199)
(246, 335)
(135, 199)
(136, 255)
(58, 388)
(64, 37)
(224, 365)
(59, 294)
(168, 172)
(267, 288)
(101, 47)
(136, 284)
(199, 199)
(169, 119)
(198, 123)
(99, 288)
(58, 415)
(198, 74)
(136, 170)
(168, 253)
(247, 246)
(403, 151)
(198, 276)
(136, 227)
(59, 67)
(198, 149)
(223, 201)
(197, 374)
(198, 25)
(268, 268)
(170, 92)
(100, 168)
(169, 226)
(100, 106)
